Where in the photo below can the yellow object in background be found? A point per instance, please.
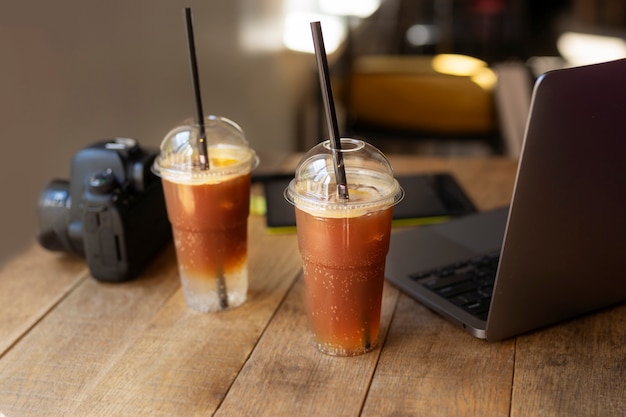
(442, 94)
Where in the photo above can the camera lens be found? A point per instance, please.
(54, 203)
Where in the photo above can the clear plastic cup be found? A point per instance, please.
(344, 243)
(208, 210)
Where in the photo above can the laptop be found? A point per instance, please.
(558, 251)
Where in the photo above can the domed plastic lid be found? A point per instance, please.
(371, 184)
(229, 152)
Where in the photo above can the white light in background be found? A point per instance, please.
(583, 48)
(297, 31)
(277, 24)
(357, 8)
(420, 35)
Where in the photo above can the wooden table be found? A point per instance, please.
(73, 346)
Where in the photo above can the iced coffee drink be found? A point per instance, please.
(344, 243)
(208, 210)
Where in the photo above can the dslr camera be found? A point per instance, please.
(111, 211)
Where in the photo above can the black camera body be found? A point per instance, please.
(112, 210)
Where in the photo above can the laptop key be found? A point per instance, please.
(435, 283)
(479, 307)
(467, 298)
(456, 289)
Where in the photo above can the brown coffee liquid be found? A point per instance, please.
(344, 264)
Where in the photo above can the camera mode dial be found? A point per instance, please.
(102, 182)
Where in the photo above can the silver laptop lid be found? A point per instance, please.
(565, 241)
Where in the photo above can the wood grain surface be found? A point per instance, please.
(73, 346)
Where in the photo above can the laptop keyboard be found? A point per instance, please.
(467, 284)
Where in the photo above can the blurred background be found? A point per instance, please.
(442, 77)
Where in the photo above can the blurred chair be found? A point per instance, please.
(441, 97)
(429, 96)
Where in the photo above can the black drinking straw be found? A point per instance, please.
(329, 105)
(202, 148)
(199, 116)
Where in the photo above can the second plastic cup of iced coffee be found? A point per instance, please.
(208, 209)
(344, 243)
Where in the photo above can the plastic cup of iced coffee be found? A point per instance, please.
(344, 243)
(208, 209)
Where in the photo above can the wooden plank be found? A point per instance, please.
(31, 285)
(429, 367)
(184, 362)
(136, 349)
(73, 346)
(87, 347)
(573, 369)
(287, 376)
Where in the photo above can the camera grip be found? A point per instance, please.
(104, 244)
